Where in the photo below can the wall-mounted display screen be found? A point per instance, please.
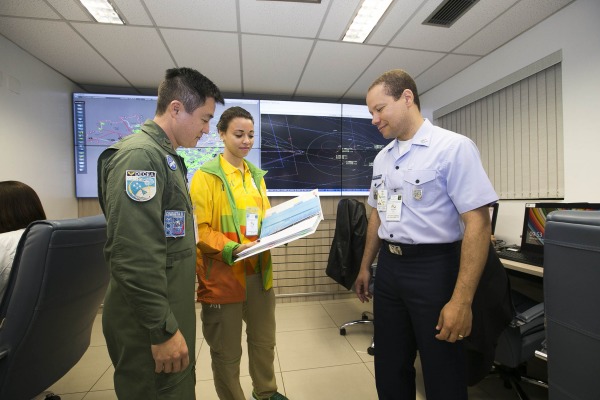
(330, 147)
(361, 141)
(300, 141)
(101, 120)
(302, 145)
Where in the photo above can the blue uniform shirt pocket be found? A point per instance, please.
(420, 188)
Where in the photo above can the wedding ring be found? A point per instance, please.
(460, 337)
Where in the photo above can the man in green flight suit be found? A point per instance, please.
(149, 319)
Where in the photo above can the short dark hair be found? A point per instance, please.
(395, 82)
(188, 86)
(19, 206)
(230, 114)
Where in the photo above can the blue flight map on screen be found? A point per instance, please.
(101, 120)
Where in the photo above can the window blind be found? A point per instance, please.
(518, 130)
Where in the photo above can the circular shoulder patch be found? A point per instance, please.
(171, 162)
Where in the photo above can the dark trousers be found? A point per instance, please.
(410, 292)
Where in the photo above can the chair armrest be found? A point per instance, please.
(530, 314)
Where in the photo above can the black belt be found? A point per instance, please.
(425, 249)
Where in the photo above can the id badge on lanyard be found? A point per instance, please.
(394, 208)
(251, 221)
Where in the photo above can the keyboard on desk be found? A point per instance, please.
(526, 258)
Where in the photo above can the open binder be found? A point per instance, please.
(286, 222)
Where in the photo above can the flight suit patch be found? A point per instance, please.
(171, 162)
(174, 223)
(140, 185)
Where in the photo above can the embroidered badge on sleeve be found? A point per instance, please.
(174, 223)
(171, 162)
(140, 185)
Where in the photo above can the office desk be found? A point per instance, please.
(525, 268)
(530, 284)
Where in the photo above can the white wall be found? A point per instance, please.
(36, 144)
(574, 30)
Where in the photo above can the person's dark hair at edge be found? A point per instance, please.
(19, 206)
(230, 114)
(188, 86)
(395, 82)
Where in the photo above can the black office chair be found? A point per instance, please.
(518, 342)
(572, 298)
(367, 317)
(57, 284)
(346, 252)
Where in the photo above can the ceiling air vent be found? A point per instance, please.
(449, 12)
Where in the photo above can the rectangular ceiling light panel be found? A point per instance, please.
(102, 11)
(368, 16)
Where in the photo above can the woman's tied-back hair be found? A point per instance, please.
(19, 206)
(396, 82)
(230, 114)
(188, 86)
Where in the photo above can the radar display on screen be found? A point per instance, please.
(309, 145)
(301, 152)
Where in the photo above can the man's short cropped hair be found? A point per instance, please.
(189, 87)
(395, 82)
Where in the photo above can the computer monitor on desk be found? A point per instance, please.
(531, 250)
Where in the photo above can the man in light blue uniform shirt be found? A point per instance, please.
(431, 227)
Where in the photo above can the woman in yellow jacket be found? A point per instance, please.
(230, 200)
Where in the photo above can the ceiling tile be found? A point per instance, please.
(282, 18)
(132, 51)
(215, 54)
(437, 38)
(133, 12)
(273, 65)
(71, 10)
(218, 15)
(275, 49)
(394, 19)
(512, 23)
(46, 40)
(338, 19)
(412, 61)
(348, 60)
(20, 8)
(442, 70)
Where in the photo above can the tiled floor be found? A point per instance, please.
(313, 361)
